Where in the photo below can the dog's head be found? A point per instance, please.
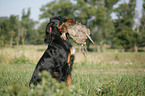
(57, 27)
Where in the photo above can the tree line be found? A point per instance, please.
(15, 32)
(95, 14)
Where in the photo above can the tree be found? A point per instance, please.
(9, 29)
(54, 8)
(84, 13)
(15, 31)
(23, 34)
(126, 38)
(57, 8)
(18, 36)
(41, 33)
(124, 33)
(14, 21)
(11, 34)
(95, 14)
(4, 29)
(29, 25)
(103, 27)
(142, 27)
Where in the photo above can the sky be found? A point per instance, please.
(15, 7)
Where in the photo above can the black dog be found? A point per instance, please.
(58, 57)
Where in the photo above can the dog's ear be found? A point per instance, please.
(48, 37)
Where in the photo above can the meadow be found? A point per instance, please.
(112, 73)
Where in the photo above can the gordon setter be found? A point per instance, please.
(58, 57)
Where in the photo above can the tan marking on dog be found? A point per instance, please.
(68, 81)
(50, 29)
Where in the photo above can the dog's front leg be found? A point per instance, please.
(68, 79)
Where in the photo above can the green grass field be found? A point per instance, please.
(97, 74)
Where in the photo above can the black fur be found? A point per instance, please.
(54, 59)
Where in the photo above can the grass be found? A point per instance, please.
(98, 74)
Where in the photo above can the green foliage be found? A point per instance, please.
(97, 17)
(8, 29)
(39, 38)
(56, 8)
(109, 5)
(142, 27)
(125, 38)
(124, 34)
(28, 24)
(14, 31)
(95, 14)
